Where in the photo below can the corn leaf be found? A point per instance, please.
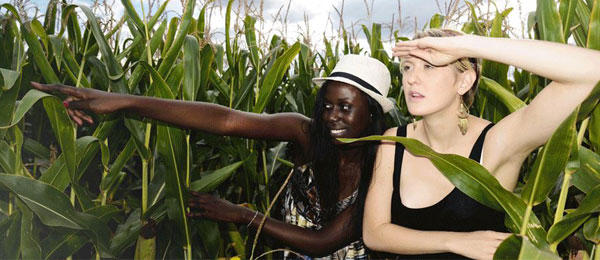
(512, 102)
(593, 39)
(191, 61)
(211, 180)
(38, 54)
(250, 33)
(591, 230)
(134, 17)
(115, 169)
(550, 162)
(436, 21)
(30, 244)
(9, 78)
(211, 237)
(7, 158)
(59, 120)
(12, 10)
(582, 16)
(475, 181)
(12, 246)
(515, 247)
(594, 129)
(62, 243)
(274, 77)
(175, 48)
(573, 220)
(588, 175)
(53, 207)
(228, 51)
(549, 23)
(126, 233)
(8, 100)
(567, 15)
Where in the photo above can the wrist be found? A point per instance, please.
(246, 216)
(127, 102)
(253, 219)
(450, 241)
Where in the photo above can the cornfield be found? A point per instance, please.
(118, 188)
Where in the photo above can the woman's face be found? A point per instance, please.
(345, 111)
(428, 89)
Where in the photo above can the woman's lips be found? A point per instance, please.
(415, 96)
(337, 132)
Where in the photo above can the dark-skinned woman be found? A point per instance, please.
(324, 200)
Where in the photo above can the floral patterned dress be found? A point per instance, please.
(301, 208)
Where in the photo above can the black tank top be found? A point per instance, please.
(455, 212)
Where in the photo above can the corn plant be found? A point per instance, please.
(118, 188)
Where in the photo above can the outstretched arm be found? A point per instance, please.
(381, 235)
(202, 116)
(338, 233)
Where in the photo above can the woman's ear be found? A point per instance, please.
(467, 79)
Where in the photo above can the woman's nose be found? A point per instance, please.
(412, 77)
(334, 115)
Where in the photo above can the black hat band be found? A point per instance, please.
(355, 79)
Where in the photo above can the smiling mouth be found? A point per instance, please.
(337, 131)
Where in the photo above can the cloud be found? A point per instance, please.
(287, 18)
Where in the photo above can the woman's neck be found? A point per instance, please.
(440, 130)
(351, 153)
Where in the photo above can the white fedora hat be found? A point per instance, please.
(366, 73)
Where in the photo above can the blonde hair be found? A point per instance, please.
(461, 65)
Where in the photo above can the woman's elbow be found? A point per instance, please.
(370, 238)
(318, 250)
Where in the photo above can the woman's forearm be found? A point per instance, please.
(195, 115)
(316, 243)
(400, 240)
(561, 63)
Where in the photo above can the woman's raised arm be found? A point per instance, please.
(574, 72)
(202, 116)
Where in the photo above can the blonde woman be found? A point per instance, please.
(429, 217)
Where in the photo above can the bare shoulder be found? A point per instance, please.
(386, 149)
(391, 131)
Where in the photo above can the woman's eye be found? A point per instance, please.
(328, 106)
(429, 66)
(346, 107)
(405, 68)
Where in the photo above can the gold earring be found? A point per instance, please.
(414, 122)
(463, 115)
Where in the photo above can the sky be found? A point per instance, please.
(320, 17)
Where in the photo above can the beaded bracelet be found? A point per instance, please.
(249, 223)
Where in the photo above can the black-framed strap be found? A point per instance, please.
(355, 79)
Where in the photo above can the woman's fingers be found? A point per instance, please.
(72, 103)
(67, 90)
(402, 51)
(83, 116)
(78, 116)
(413, 43)
(194, 214)
(74, 117)
(87, 118)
